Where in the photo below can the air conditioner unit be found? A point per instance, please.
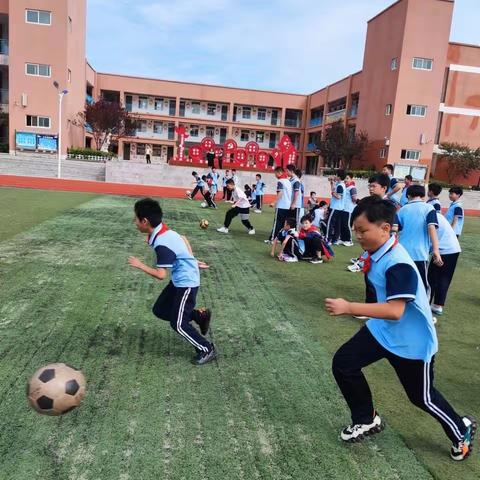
(387, 141)
(24, 99)
(423, 139)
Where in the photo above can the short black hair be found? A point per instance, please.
(291, 167)
(305, 218)
(194, 173)
(409, 177)
(381, 179)
(258, 175)
(313, 193)
(298, 173)
(375, 209)
(291, 222)
(435, 188)
(414, 191)
(457, 190)
(341, 174)
(204, 177)
(389, 166)
(230, 181)
(322, 203)
(246, 186)
(348, 174)
(149, 209)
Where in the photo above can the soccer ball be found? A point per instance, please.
(204, 205)
(56, 389)
(204, 223)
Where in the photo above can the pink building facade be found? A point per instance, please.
(416, 90)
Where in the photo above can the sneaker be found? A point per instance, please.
(347, 244)
(337, 242)
(222, 230)
(354, 268)
(289, 259)
(354, 260)
(461, 450)
(268, 242)
(189, 196)
(204, 320)
(358, 432)
(437, 310)
(316, 261)
(251, 232)
(205, 357)
(257, 211)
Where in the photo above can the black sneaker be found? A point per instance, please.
(358, 432)
(204, 320)
(461, 450)
(205, 357)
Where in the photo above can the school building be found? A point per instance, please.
(416, 90)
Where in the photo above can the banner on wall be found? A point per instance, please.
(47, 143)
(26, 140)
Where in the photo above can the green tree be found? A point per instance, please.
(461, 159)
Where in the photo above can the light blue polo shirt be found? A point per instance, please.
(447, 240)
(395, 198)
(413, 220)
(285, 186)
(456, 209)
(404, 198)
(200, 182)
(297, 187)
(349, 206)
(338, 203)
(259, 188)
(172, 252)
(435, 203)
(393, 275)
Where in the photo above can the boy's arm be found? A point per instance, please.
(392, 310)
(437, 258)
(454, 221)
(284, 243)
(159, 273)
(274, 246)
(296, 193)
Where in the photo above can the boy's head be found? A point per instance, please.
(378, 184)
(313, 194)
(230, 184)
(434, 190)
(194, 174)
(408, 180)
(372, 220)
(306, 222)
(455, 193)
(348, 177)
(227, 172)
(279, 172)
(258, 176)
(323, 203)
(234, 171)
(298, 173)
(291, 170)
(341, 175)
(415, 191)
(289, 223)
(204, 177)
(214, 169)
(148, 214)
(387, 169)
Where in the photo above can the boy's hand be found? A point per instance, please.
(337, 306)
(135, 262)
(437, 259)
(202, 265)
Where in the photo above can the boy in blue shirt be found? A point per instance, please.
(407, 183)
(337, 202)
(176, 303)
(434, 191)
(282, 203)
(199, 184)
(259, 192)
(400, 330)
(455, 213)
(417, 224)
(394, 189)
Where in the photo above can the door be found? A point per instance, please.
(126, 151)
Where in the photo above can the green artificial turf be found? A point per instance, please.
(268, 409)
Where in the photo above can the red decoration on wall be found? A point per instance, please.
(277, 156)
(290, 156)
(218, 151)
(252, 148)
(261, 159)
(182, 135)
(285, 143)
(230, 146)
(195, 153)
(207, 143)
(240, 156)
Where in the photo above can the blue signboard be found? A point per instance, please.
(47, 142)
(26, 140)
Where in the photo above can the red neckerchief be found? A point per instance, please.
(367, 262)
(284, 175)
(162, 230)
(303, 232)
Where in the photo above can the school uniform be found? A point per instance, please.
(456, 210)
(413, 220)
(296, 189)
(259, 192)
(226, 192)
(336, 208)
(409, 344)
(176, 303)
(396, 197)
(348, 207)
(439, 278)
(318, 221)
(282, 210)
(404, 198)
(198, 187)
(435, 203)
(241, 206)
(214, 186)
(207, 195)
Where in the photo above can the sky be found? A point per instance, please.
(296, 46)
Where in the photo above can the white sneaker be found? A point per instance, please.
(353, 260)
(268, 242)
(356, 433)
(222, 230)
(337, 242)
(437, 309)
(251, 232)
(257, 211)
(347, 244)
(316, 261)
(290, 259)
(354, 268)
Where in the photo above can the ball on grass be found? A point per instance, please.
(56, 389)
(204, 223)
(204, 205)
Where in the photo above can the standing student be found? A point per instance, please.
(176, 303)
(241, 206)
(296, 201)
(440, 277)
(282, 203)
(259, 192)
(394, 189)
(348, 206)
(434, 191)
(417, 224)
(215, 176)
(199, 184)
(220, 159)
(312, 201)
(211, 158)
(400, 329)
(235, 177)
(455, 213)
(408, 181)
(148, 154)
(226, 192)
(337, 203)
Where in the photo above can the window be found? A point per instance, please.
(38, 70)
(194, 130)
(41, 122)
(388, 109)
(143, 103)
(383, 152)
(260, 137)
(416, 110)
(158, 127)
(142, 127)
(141, 148)
(422, 63)
(159, 104)
(69, 76)
(210, 132)
(262, 114)
(410, 154)
(195, 107)
(156, 150)
(38, 16)
(246, 112)
(394, 64)
(211, 108)
(245, 135)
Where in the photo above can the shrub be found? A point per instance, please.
(88, 153)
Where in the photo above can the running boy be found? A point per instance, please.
(455, 214)
(176, 303)
(400, 329)
(206, 192)
(259, 192)
(241, 206)
(199, 184)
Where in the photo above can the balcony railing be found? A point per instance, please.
(3, 46)
(336, 116)
(315, 122)
(292, 122)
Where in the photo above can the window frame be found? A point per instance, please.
(383, 152)
(388, 109)
(414, 107)
(195, 104)
(211, 107)
(262, 134)
(249, 110)
(38, 16)
(407, 157)
(140, 98)
(264, 114)
(394, 64)
(38, 65)
(423, 60)
(242, 132)
(38, 117)
(194, 128)
(158, 101)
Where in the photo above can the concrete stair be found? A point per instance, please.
(37, 165)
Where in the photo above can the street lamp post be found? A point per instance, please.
(61, 94)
